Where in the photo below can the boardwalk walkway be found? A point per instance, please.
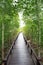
(20, 54)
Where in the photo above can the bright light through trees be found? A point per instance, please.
(22, 24)
(21, 16)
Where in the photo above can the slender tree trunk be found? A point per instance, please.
(39, 25)
(39, 32)
(2, 40)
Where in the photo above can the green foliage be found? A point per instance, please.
(9, 18)
(32, 17)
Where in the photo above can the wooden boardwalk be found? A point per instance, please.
(20, 54)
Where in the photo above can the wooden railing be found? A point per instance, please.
(4, 62)
(32, 53)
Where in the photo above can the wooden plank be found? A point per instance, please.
(20, 54)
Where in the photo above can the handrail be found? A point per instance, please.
(4, 62)
(7, 57)
(32, 52)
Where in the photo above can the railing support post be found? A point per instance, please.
(4, 62)
(38, 62)
(31, 51)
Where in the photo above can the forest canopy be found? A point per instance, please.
(32, 18)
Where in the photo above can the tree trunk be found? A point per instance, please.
(2, 40)
(39, 24)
